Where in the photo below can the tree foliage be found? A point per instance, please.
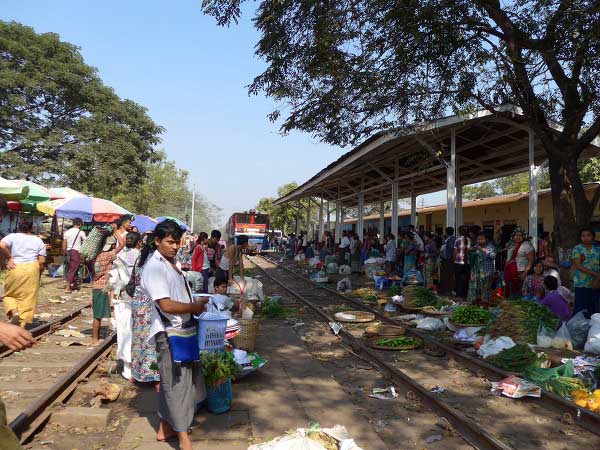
(59, 122)
(281, 217)
(165, 192)
(345, 69)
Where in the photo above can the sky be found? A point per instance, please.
(192, 76)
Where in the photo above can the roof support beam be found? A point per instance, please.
(451, 186)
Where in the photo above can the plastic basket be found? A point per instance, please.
(211, 330)
(219, 398)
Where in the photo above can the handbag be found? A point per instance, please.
(132, 283)
(183, 342)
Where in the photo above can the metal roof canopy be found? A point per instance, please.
(488, 145)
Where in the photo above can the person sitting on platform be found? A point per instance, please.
(222, 300)
(556, 299)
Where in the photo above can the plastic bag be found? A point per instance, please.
(345, 270)
(344, 285)
(545, 336)
(431, 324)
(492, 347)
(562, 340)
(592, 344)
(578, 327)
(332, 268)
(312, 262)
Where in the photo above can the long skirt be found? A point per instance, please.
(179, 387)
(21, 289)
(74, 261)
(461, 278)
(430, 272)
(587, 299)
(143, 353)
(480, 287)
(446, 276)
(123, 319)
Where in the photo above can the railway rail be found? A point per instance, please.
(320, 296)
(47, 374)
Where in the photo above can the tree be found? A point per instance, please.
(345, 69)
(482, 190)
(281, 217)
(165, 192)
(59, 123)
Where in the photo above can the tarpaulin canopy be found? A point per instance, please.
(67, 192)
(180, 222)
(11, 190)
(143, 223)
(38, 193)
(91, 209)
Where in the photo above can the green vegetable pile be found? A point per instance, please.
(401, 341)
(534, 314)
(394, 290)
(272, 309)
(218, 367)
(515, 359)
(366, 294)
(470, 315)
(419, 296)
(559, 380)
(520, 320)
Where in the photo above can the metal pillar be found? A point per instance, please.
(308, 228)
(451, 183)
(360, 224)
(321, 229)
(533, 192)
(395, 201)
(413, 204)
(328, 217)
(338, 227)
(297, 231)
(382, 221)
(459, 198)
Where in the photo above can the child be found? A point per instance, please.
(556, 300)
(223, 302)
(100, 300)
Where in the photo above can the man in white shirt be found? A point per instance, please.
(167, 287)
(71, 246)
(345, 249)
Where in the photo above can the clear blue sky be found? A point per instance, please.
(191, 75)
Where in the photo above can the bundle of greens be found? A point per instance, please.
(470, 315)
(402, 341)
(419, 296)
(394, 290)
(218, 367)
(520, 320)
(515, 359)
(272, 309)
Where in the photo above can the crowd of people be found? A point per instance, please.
(143, 282)
(474, 265)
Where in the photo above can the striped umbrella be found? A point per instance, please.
(91, 209)
(11, 190)
(49, 207)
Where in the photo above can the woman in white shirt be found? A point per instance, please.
(390, 253)
(25, 256)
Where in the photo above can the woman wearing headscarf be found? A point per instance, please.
(25, 256)
(520, 256)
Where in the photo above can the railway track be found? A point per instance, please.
(46, 374)
(498, 422)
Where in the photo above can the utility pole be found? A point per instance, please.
(193, 205)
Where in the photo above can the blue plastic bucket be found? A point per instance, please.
(219, 398)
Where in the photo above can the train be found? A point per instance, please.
(252, 224)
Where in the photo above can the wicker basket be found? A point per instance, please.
(354, 316)
(384, 330)
(246, 340)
